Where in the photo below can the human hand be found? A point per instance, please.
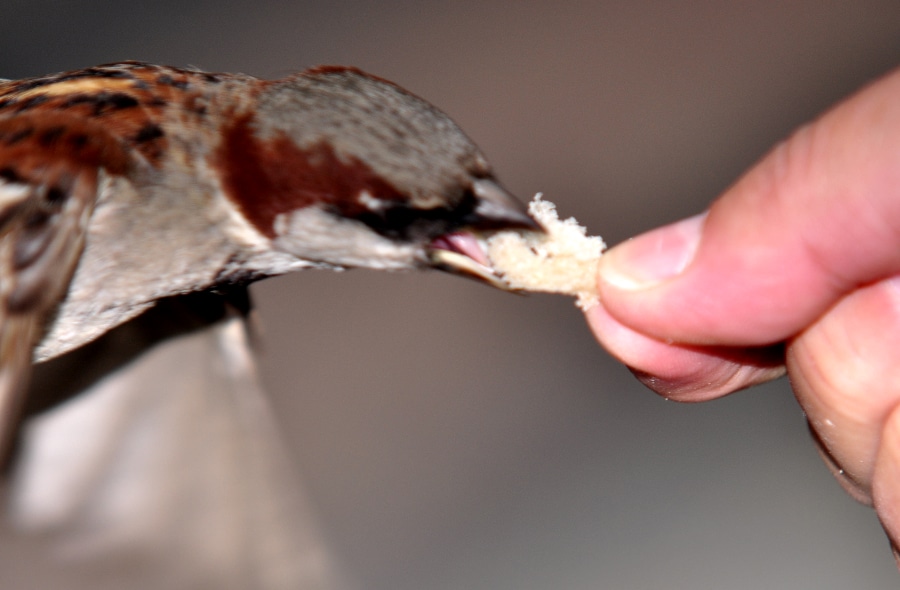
(796, 268)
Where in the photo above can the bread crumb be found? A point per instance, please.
(562, 260)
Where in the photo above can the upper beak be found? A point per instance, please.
(496, 208)
(463, 252)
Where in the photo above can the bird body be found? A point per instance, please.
(200, 179)
(128, 187)
(152, 181)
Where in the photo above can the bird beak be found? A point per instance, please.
(498, 209)
(463, 252)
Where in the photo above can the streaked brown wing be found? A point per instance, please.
(50, 170)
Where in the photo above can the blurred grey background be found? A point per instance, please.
(454, 437)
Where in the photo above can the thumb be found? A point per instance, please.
(817, 218)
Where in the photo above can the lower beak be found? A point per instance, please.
(464, 252)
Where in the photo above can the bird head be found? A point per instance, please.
(342, 168)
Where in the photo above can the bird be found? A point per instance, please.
(137, 204)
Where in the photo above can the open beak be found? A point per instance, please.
(463, 252)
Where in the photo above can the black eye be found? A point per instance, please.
(406, 223)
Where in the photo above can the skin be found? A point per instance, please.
(795, 268)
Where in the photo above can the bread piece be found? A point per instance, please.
(562, 260)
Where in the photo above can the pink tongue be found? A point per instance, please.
(464, 243)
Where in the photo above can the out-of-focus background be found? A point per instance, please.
(456, 437)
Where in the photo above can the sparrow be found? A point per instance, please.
(137, 203)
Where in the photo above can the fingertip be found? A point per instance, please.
(842, 372)
(860, 492)
(679, 372)
(651, 258)
(886, 478)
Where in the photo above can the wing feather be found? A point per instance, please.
(49, 174)
(168, 466)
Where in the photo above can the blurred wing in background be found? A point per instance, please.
(163, 468)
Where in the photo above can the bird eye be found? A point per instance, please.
(405, 222)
